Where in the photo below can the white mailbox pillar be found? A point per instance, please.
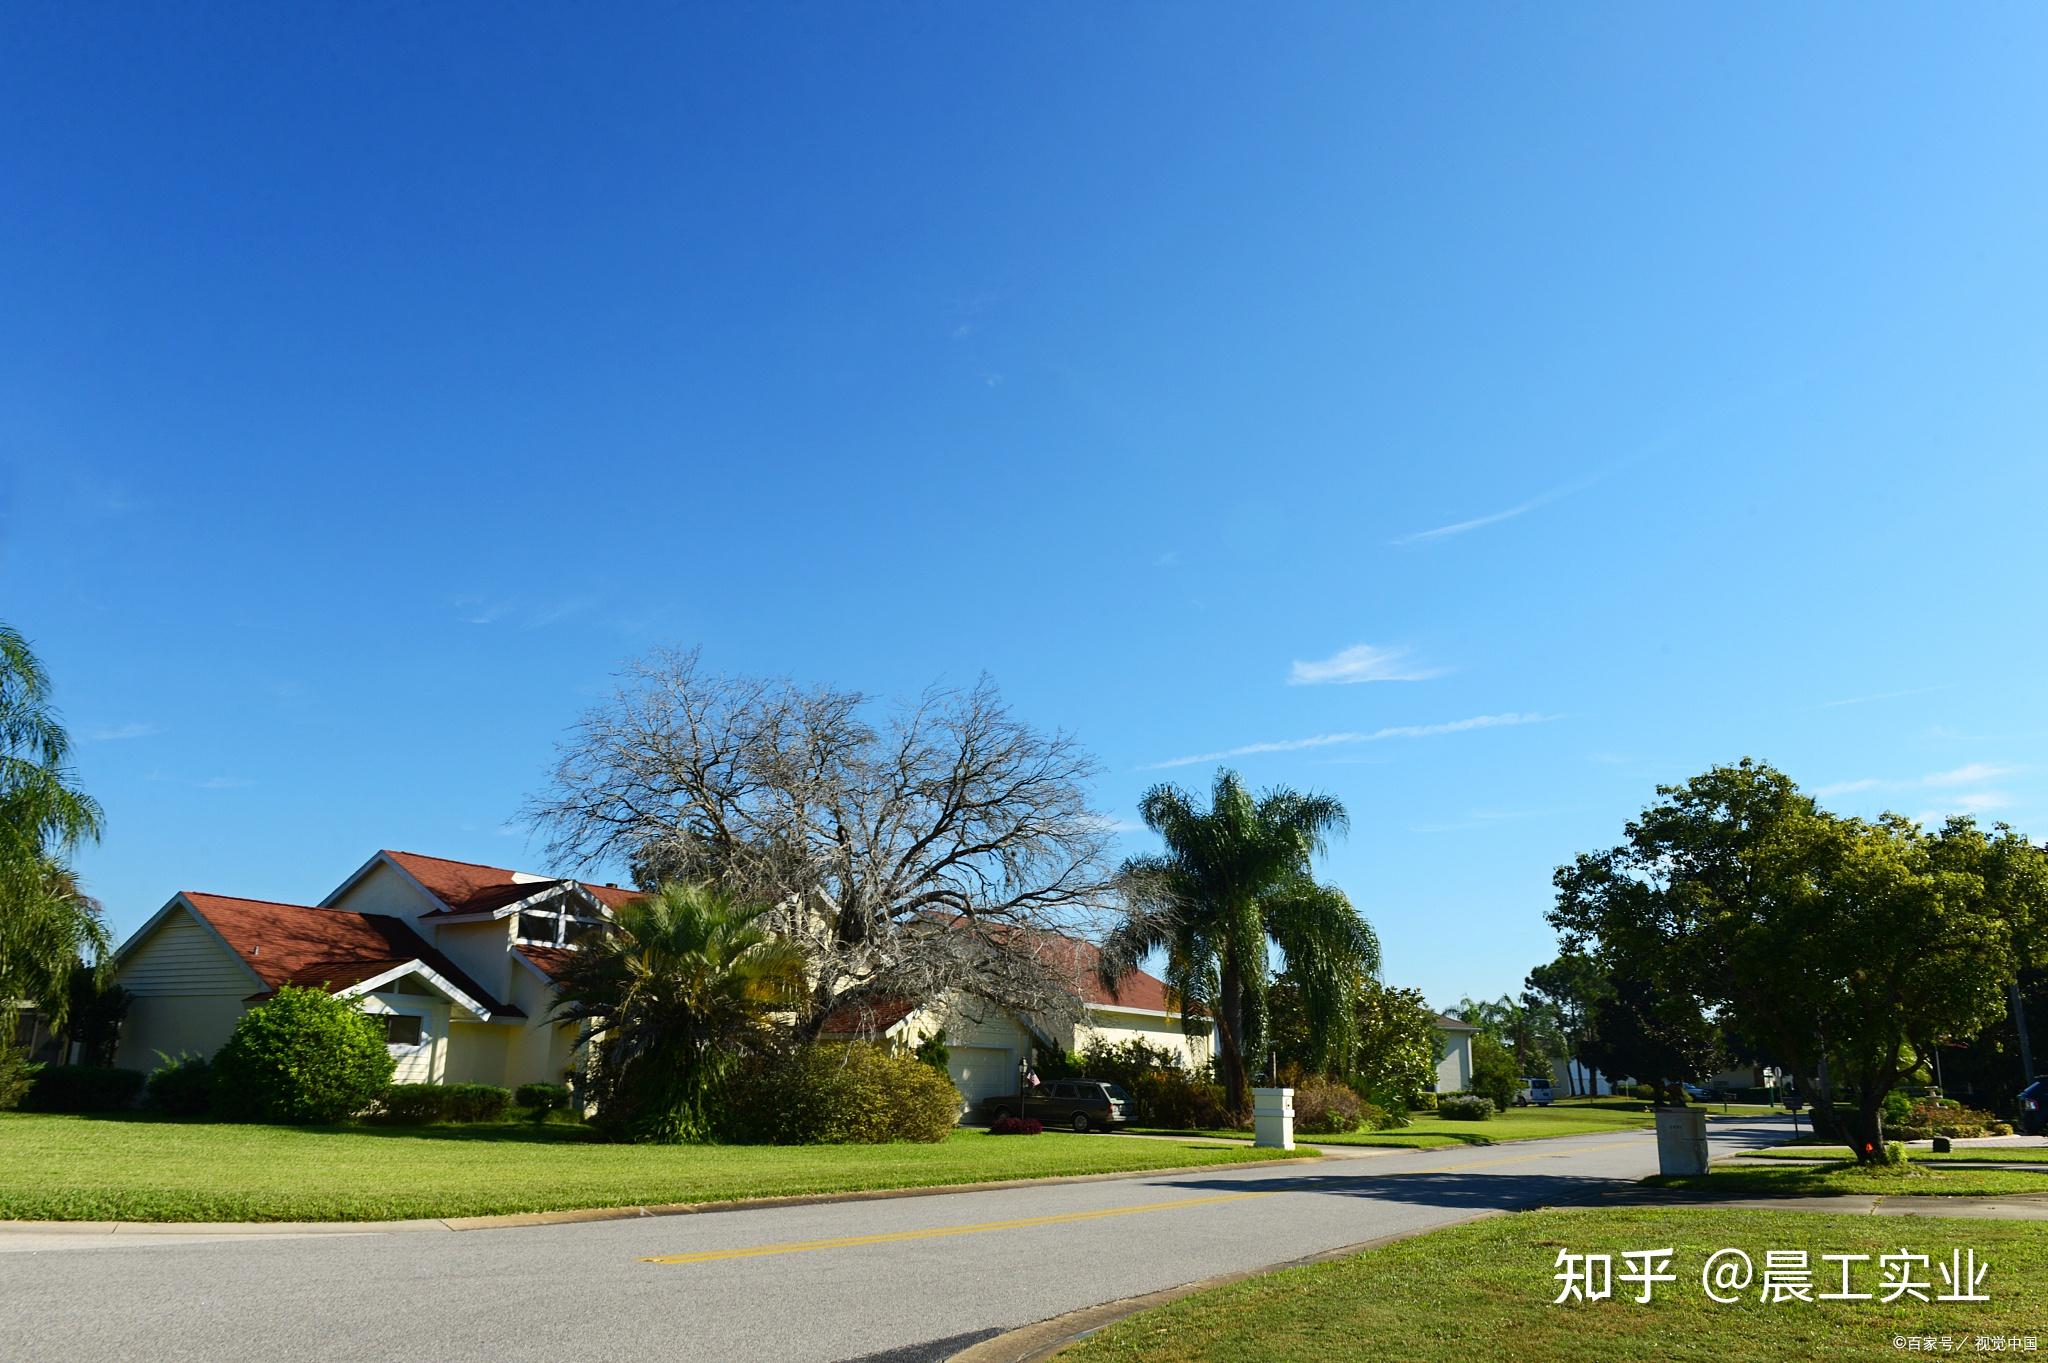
(1681, 1140)
(1273, 1118)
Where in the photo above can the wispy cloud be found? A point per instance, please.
(1443, 532)
(1109, 823)
(222, 783)
(1360, 663)
(1884, 695)
(1969, 774)
(1333, 740)
(1978, 802)
(1169, 559)
(114, 733)
(480, 610)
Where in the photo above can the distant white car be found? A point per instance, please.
(1537, 1091)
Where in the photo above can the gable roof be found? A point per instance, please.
(471, 887)
(1446, 1023)
(294, 944)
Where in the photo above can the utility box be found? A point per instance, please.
(1273, 1118)
(1681, 1140)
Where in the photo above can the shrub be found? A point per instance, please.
(542, 1098)
(1127, 1062)
(1323, 1107)
(825, 1094)
(425, 1104)
(1646, 1093)
(1464, 1107)
(1016, 1126)
(412, 1105)
(1373, 1117)
(934, 1051)
(1175, 1099)
(82, 1088)
(477, 1102)
(1495, 1072)
(1425, 1101)
(301, 1056)
(1897, 1108)
(182, 1085)
(1895, 1153)
(17, 1072)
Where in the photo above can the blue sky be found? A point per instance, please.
(1481, 414)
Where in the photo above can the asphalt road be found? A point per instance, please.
(898, 1281)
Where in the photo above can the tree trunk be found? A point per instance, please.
(1229, 1036)
(1869, 1142)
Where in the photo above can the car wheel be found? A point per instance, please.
(999, 1114)
(1080, 1121)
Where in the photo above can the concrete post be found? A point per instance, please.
(1681, 1140)
(1273, 1118)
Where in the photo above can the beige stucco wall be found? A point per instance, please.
(1113, 1026)
(539, 1051)
(1454, 1070)
(426, 1063)
(483, 951)
(386, 889)
(188, 992)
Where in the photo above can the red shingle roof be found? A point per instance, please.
(551, 960)
(468, 887)
(872, 1018)
(293, 944)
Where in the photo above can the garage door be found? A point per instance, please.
(983, 1072)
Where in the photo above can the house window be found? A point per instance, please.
(556, 923)
(401, 1029)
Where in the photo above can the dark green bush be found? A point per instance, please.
(1464, 1107)
(827, 1094)
(301, 1056)
(425, 1104)
(17, 1072)
(1425, 1101)
(82, 1088)
(412, 1105)
(542, 1098)
(1323, 1107)
(477, 1102)
(1373, 1117)
(182, 1085)
(1172, 1098)
(1643, 1092)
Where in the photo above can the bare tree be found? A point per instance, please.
(913, 851)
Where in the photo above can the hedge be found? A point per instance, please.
(426, 1104)
(82, 1088)
(828, 1094)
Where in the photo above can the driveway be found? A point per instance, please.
(897, 1281)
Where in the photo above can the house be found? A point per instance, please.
(458, 959)
(987, 1045)
(1454, 1054)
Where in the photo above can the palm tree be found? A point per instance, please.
(1231, 880)
(47, 925)
(685, 983)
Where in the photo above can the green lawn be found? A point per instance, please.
(1485, 1291)
(1429, 1132)
(2023, 1154)
(1911, 1181)
(135, 1169)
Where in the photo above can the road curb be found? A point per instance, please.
(1042, 1339)
(58, 1230)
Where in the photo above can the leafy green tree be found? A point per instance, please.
(1398, 1045)
(1233, 879)
(1495, 1072)
(1523, 1030)
(1846, 948)
(1567, 990)
(48, 926)
(685, 984)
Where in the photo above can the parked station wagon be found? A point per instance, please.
(1082, 1104)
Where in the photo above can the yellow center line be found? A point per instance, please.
(1477, 1164)
(935, 1232)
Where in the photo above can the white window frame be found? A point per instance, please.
(562, 911)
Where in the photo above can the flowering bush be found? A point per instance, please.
(1016, 1126)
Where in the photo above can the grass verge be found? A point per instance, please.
(1429, 1132)
(1485, 1291)
(1961, 1154)
(62, 1168)
(1912, 1180)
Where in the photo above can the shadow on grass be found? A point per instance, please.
(522, 1131)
